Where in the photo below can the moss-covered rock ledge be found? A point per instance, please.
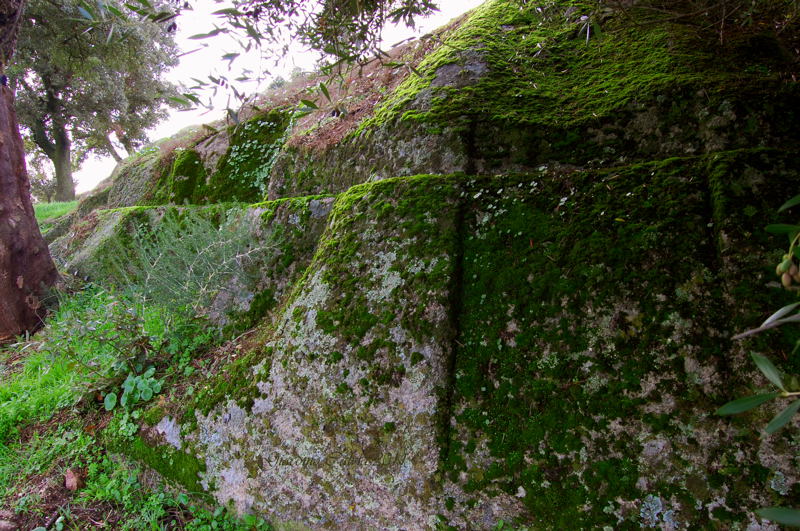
(545, 350)
(536, 330)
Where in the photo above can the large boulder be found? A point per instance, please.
(544, 350)
(534, 332)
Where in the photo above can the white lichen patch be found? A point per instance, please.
(170, 430)
(333, 437)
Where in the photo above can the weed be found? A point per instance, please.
(192, 260)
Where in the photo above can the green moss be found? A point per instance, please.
(540, 69)
(153, 415)
(236, 381)
(173, 464)
(571, 292)
(242, 173)
(182, 182)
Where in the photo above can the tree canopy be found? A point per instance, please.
(77, 88)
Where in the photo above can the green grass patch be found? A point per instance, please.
(90, 344)
(47, 211)
(132, 497)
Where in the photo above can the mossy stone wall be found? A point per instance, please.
(545, 350)
(515, 87)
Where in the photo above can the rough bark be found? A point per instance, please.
(26, 268)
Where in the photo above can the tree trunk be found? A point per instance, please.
(26, 268)
(112, 151)
(126, 143)
(62, 160)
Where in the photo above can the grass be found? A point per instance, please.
(51, 419)
(47, 211)
(118, 494)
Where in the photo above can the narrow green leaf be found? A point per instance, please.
(769, 370)
(229, 11)
(136, 9)
(782, 228)
(110, 401)
(781, 515)
(782, 418)
(85, 14)
(325, 92)
(115, 11)
(747, 403)
(780, 313)
(163, 16)
(179, 100)
(790, 203)
(212, 33)
(252, 32)
(309, 103)
(230, 57)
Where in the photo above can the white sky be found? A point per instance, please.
(206, 60)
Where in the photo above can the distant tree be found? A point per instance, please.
(40, 171)
(76, 88)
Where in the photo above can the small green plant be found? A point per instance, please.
(135, 389)
(192, 260)
(788, 389)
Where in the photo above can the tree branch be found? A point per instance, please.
(40, 137)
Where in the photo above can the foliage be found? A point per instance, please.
(80, 87)
(92, 343)
(135, 389)
(193, 258)
(787, 271)
(47, 211)
(95, 341)
(342, 32)
(340, 28)
(113, 481)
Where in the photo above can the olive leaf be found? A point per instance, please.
(769, 370)
(782, 418)
(745, 404)
(781, 515)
